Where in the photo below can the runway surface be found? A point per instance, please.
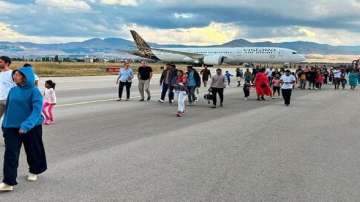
(103, 150)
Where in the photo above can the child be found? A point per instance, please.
(276, 84)
(246, 89)
(180, 89)
(49, 102)
(22, 125)
(228, 77)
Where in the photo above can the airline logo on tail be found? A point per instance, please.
(143, 48)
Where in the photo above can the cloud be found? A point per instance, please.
(302, 9)
(7, 7)
(259, 13)
(215, 33)
(185, 21)
(121, 2)
(301, 33)
(323, 36)
(219, 33)
(7, 33)
(66, 5)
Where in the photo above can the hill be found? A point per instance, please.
(98, 46)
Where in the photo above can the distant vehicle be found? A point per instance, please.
(216, 55)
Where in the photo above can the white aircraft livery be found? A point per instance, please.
(216, 55)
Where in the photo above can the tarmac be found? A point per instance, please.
(104, 150)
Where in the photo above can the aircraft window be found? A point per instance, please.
(294, 53)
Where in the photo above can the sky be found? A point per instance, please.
(190, 22)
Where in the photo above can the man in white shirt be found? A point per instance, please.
(287, 83)
(6, 82)
(337, 78)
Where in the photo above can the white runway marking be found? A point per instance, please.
(96, 101)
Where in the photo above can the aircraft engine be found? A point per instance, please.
(214, 60)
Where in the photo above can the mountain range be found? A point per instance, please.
(97, 46)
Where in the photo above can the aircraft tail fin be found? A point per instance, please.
(140, 42)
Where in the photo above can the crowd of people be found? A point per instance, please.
(267, 82)
(316, 77)
(275, 82)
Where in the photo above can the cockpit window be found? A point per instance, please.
(294, 53)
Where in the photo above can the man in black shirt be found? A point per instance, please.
(311, 76)
(206, 74)
(144, 75)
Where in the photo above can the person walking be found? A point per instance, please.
(246, 90)
(180, 90)
(22, 125)
(254, 73)
(319, 80)
(325, 72)
(228, 76)
(353, 79)
(206, 74)
(276, 84)
(331, 75)
(6, 82)
(217, 87)
(164, 82)
(144, 75)
(269, 74)
(49, 102)
(337, 78)
(343, 80)
(124, 79)
(168, 81)
(287, 83)
(193, 82)
(302, 78)
(248, 77)
(262, 85)
(311, 76)
(239, 76)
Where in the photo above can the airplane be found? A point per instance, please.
(215, 55)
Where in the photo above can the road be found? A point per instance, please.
(103, 150)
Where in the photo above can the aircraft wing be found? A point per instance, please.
(194, 56)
